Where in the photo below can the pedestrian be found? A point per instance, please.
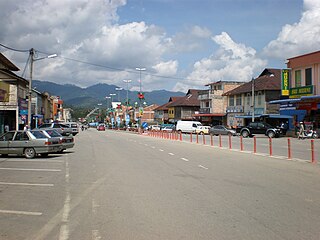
(301, 131)
(6, 128)
(26, 128)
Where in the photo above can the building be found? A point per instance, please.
(184, 108)
(242, 104)
(213, 104)
(161, 113)
(13, 97)
(301, 96)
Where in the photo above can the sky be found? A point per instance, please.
(182, 44)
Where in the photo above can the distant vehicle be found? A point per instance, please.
(187, 126)
(66, 141)
(101, 127)
(154, 127)
(168, 128)
(74, 126)
(203, 130)
(259, 128)
(59, 127)
(28, 143)
(222, 130)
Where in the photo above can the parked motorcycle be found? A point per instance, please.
(308, 134)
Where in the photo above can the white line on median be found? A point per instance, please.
(184, 159)
(200, 166)
(32, 169)
(28, 184)
(21, 213)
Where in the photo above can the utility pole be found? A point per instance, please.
(31, 54)
(252, 99)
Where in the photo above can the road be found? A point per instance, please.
(120, 185)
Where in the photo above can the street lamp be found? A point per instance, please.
(32, 60)
(119, 89)
(107, 97)
(252, 100)
(140, 93)
(127, 82)
(112, 94)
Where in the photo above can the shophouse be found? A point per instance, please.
(184, 108)
(301, 89)
(13, 96)
(250, 100)
(213, 104)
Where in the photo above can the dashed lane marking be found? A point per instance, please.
(21, 213)
(184, 159)
(200, 166)
(27, 184)
(172, 154)
(32, 169)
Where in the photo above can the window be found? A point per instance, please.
(21, 136)
(259, 98)
(248, 99)
(308, 73)
(238, 100)
(231, 101)
(297, 77)
(207, 104)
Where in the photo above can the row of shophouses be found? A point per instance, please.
(14, 92)
(277, 95)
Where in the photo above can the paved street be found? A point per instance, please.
(120, 185)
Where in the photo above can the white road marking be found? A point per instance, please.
(64, 232)
(184, 159)
(172, 154)
(64, 229)
(28, 184)
(161, 150)
(200, 166)
(21, 213)
(153, 147)
(96, 235)
(32, 169)
(37, 160)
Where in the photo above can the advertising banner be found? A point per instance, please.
(285, 81)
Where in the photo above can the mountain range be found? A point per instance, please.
(74, 96)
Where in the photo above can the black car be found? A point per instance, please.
(259, 128)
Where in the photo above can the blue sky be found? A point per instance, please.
(182, 43)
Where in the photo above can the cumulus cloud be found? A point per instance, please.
(298, 38)
(83, 30)
(232, 61)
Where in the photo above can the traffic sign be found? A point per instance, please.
(144, 124)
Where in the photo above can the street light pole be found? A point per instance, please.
(252, 99)
(119, 89)
(140, 70)
(32, 60)
(127, 81)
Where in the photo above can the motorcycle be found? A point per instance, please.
(308, 134)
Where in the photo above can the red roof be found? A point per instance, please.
(269, 79)
(191, 99)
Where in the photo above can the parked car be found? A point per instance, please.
(66, 141)
(59, 127)
(203, 130)
(101, 127)
(74, 126)
(187, 126)
(222, 130)
(259, 128)
(168, 128)
(154, 127)
(28, 143)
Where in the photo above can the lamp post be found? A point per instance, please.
(119, 89)
(107, 97)
(112, 95)
(127, 82)
(32, 60)
(140, 70)
(252, 99)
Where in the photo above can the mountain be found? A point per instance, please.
(73, 95)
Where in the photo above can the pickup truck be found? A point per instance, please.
(259, 128)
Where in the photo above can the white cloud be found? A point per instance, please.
(232, 61)
(166, 68)
(298, 38)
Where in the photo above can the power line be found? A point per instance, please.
(14, 49)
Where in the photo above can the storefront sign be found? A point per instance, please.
(285, 82)
(301, 91)
(307, 106)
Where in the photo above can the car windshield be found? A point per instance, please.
(38, 134)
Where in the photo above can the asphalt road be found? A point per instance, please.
(119, 185)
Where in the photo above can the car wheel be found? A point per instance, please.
(271, 134)
(201, 133)
(245, 133)
(29, 153)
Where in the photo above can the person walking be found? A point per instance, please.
(301, 131)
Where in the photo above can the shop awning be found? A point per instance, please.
(209, 115)
(265, 116)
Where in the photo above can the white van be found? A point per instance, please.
(187, 126)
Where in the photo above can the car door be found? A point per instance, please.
(19, 142)
(4, 142)
(261, 128)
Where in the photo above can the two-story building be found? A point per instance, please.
(184, 108)
(13, 96)
(213, 104)
(251, 100)
(301, 88)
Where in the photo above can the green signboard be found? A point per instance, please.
(285, 80)
(301, 91)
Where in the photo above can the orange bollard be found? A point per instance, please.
(197, 138)
(270, 146)
(241, 143)
(313, 160)
(190, 137)
(180, 136)
(230, 143)
(220, 142)
(289, 148)
(254, 144)
(211, 140)
(204, 139)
